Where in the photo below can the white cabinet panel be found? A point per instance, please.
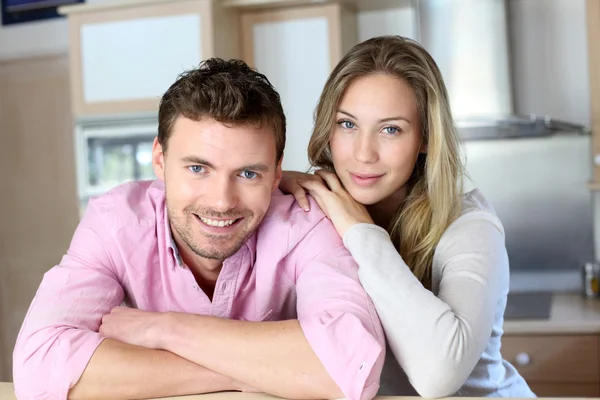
(377, 18)
(125, 54)
(137, 59)
(294, 55)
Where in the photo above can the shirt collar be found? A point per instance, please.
(170, 242)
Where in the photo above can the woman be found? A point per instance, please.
(432, 258)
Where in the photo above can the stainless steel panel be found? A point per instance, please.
(538, 188)
(469, 41)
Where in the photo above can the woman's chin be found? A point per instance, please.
(366, 197)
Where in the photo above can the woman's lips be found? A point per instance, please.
(365, 179)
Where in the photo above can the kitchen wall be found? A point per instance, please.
(550, 77)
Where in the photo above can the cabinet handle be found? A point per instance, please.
(522, 359)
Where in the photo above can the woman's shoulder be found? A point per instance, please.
(477, 235)
(476, 222)
(475, 201)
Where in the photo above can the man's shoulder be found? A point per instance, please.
(134, 202)
(287, 220)
(285, 210)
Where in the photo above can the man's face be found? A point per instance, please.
(218, 181)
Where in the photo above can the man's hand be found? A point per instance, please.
(132, 326)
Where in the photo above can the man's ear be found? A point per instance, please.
(278, 175)
(158, 160)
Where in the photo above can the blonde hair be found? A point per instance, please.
(434, 190)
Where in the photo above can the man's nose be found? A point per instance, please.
(224, 196)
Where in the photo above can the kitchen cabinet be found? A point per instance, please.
(556, 365)
(124, 55)
(593, 42)
(559, 356)
(297, 48)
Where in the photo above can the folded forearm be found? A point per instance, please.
(122, 371)
(273, 357)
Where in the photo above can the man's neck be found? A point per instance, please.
(206, 272)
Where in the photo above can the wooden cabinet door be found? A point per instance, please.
(593, 28)
(556, 365)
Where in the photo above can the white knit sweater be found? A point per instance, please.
(446, 341)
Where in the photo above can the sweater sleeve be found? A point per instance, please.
(436, 340)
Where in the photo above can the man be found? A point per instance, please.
(230, 285)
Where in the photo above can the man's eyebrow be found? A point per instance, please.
(258, 167)
(197, 160)
(255, 167)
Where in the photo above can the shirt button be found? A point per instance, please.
(362, 365)
(223, 286)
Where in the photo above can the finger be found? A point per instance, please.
(331, 179)
(299, 194)
(319, 201)
(318, 188)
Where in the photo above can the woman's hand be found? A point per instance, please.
(289, 184)
(335, 201)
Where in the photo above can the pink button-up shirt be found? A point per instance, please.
(294, 266)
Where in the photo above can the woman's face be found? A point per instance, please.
(376, 138)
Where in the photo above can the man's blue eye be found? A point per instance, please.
(249, 174)
(196, 168)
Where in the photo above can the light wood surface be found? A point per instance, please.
(6, 393)
(555, 389)
(570, 314)
(278, 3)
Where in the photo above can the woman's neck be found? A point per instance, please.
(383, 211)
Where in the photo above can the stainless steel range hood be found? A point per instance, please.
(469, 41)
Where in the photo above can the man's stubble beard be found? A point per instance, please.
(183, 228)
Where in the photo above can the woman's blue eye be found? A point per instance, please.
(196, 168)
(348, 124)
(392, 130)
(249, 174)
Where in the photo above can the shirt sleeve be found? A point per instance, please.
(436, 340)
(60, 332)
(336, 315)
